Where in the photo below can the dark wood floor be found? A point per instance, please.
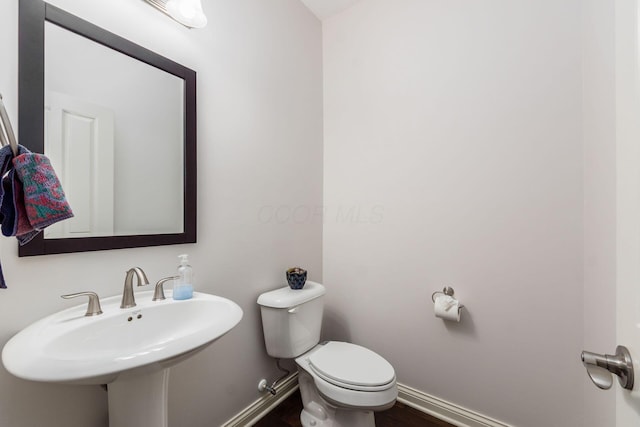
(287, 414)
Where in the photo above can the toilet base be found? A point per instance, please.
(318, 412)
(344, 419)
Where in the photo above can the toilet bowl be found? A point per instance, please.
(346, 381)
(341, 384)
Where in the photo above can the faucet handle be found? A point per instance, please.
(158, 294)
(93, 309)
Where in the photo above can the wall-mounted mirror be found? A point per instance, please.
(119, 125)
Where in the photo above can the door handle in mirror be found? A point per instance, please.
(601, 366)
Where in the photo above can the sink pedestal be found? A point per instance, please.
(139, 400)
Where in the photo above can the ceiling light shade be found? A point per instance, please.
(187, 12)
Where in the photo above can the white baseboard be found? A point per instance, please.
(261, 407)
(441, 409)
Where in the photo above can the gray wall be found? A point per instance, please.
(453, 130)
(260, 145)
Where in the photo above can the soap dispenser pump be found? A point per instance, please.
(183, 286)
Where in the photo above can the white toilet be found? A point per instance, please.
(342, 384)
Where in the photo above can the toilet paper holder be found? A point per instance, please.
(447, 290)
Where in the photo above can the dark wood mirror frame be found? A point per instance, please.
(32, 17)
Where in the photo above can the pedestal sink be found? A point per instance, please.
(130, 350)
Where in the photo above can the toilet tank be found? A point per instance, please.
(291, 319)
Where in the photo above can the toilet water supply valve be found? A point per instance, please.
(263, 385)
(600, 368)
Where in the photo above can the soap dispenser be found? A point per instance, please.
(183, 286)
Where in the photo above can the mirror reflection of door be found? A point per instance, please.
(143, 191)
(79, 138)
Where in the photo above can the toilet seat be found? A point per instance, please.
(352, 367)
(350, 376)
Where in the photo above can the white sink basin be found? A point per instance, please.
(68, 347)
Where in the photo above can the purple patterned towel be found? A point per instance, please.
(12, 210)
(44, 198)
(14, 216)
(7, 214)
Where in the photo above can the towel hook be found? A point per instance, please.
(7, 137)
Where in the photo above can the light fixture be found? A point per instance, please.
(187, 12)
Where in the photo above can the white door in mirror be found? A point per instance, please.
(79, 141)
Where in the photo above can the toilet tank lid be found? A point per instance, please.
(286, 297)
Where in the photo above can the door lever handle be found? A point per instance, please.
(601, 366)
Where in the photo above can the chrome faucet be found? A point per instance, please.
(127, 296)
